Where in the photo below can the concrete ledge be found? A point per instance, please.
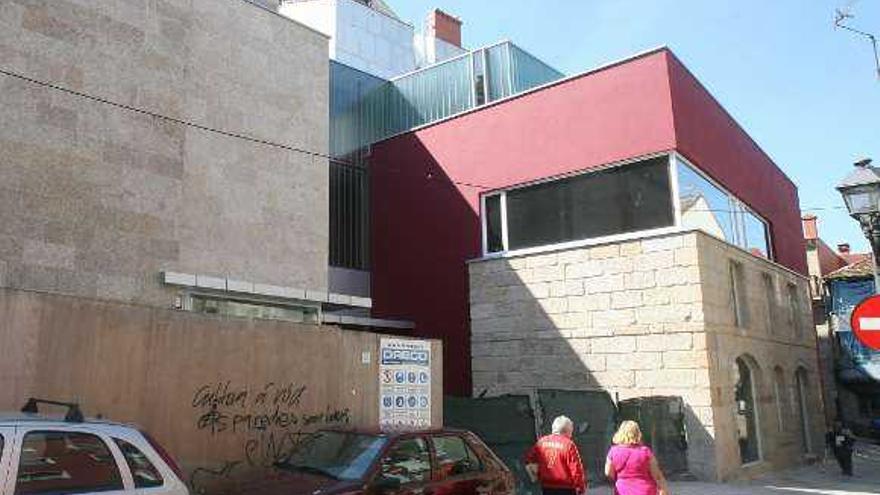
(253, 288)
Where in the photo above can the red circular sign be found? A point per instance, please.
(865, 322)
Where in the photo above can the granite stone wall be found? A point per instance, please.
(647, 317)
(160, 135)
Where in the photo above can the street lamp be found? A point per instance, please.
(861, 193)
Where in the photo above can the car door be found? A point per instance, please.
(404, 469)
(7, 442)
(458, 469)
(56, 460)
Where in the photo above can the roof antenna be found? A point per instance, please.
(842, 17)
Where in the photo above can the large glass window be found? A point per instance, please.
(619, 200)
(704, 206)
(66, 462)
(633, 197)
(756, 238)
(709, 208)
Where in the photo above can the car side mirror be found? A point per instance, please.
(386, 484)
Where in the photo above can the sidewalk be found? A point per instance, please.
(818, 479)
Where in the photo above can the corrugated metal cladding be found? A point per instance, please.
(349, 179)
(365, 109)
(450, 87)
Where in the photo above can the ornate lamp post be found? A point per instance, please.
(861, 193)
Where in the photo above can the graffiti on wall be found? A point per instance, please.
(268, 421)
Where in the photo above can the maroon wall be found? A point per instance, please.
(709, 137)
(426, 184)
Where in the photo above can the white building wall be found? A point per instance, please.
(430, 50)
(361, 37)
(317, 14)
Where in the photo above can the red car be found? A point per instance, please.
(438, 462)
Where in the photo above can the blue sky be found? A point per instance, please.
(807, 93)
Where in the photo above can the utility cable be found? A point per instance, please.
(236, 135)
(175, 120)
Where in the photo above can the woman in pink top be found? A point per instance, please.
(632, 466)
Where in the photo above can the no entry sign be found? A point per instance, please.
(865, 322)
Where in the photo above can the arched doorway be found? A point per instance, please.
(801, 384)
(746, 412)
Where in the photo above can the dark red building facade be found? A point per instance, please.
(426, 185)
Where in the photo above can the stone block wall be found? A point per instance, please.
(777, 340)
(625, 317)
(97, 198)
(636, 318)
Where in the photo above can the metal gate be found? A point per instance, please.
(662, 422)
(593, 414)
(506, 424)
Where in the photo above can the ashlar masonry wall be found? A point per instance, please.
(96, 198)
(776, 339)
(630, 318)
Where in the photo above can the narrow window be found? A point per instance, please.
(801, 387)
(746, 414)
(494, 236)
(794, 309)
(738, 294)
(778, 393)
(772, 302)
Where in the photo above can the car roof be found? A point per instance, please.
(20, 418)
(378, 432)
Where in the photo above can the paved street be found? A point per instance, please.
(819, 479)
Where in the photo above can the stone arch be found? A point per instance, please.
(801, 393)
(747, 417)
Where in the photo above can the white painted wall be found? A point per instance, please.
(317, 14)
(360, 36)
(431, 50)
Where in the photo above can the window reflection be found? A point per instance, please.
(707, 207)
(756, 235)
(704, 206)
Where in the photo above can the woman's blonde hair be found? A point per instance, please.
(628, 433)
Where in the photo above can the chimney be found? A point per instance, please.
(445, 27)
(811, 230)
(843, 248)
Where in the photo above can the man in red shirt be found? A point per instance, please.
(556, 462)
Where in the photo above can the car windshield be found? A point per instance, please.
(339, 455)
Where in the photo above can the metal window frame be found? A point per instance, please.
(592, 241)
(737, 208)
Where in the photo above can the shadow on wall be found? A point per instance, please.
(424, 229)
(528, 327)
(562, 327)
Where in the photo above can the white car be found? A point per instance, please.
(40, 455)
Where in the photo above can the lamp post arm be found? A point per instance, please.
(870, 223)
